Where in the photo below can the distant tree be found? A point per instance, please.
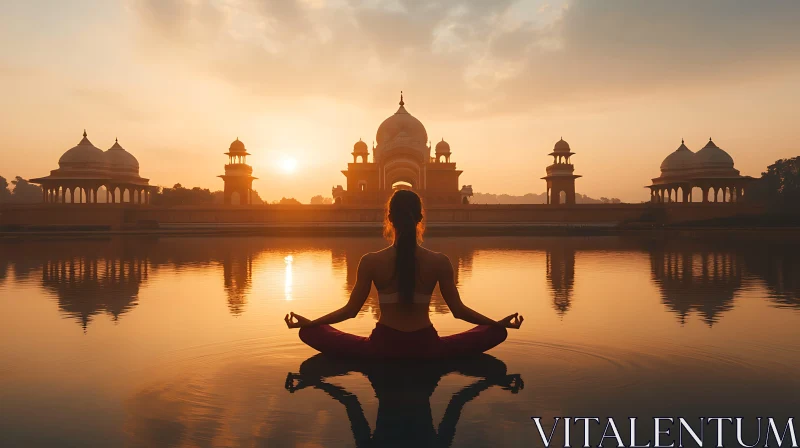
(5, 193)
(779, 186)
(289, 201)
(177, 195)
(218, 197)
(319, 199)
(256, 198)
(25, 192)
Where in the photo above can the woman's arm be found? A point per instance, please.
(447, 285)
(350, 310)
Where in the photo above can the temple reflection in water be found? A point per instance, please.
(693, 277)
(703, 282)
(87, 286)
(561, 277)
(237, 273)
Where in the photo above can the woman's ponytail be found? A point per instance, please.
(404, 223)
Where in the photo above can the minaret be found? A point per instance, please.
(560, 175)
(238, 175)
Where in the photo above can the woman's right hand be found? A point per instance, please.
(296, 321)
(513, 321)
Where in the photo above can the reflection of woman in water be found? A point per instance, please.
(405, 275)
(403, 392)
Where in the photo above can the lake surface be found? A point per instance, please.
(181, 341)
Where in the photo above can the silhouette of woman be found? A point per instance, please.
(403, 392)
(405, 275)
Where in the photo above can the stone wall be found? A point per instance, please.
(125, 216)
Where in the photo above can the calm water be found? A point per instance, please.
(180, 341)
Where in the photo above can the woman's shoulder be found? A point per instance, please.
(378, 255)
(433, 256)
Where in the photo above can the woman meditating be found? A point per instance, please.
(405, 275)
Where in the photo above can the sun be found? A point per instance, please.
(288, 165)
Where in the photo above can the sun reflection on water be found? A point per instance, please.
(287, 284)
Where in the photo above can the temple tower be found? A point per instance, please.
(238, 175)
(560, 176)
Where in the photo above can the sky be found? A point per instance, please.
(300, 81)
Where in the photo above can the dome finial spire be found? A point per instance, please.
(681, 141)
(84, 133)
(402, 103)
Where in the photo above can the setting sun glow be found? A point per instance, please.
(288, 165)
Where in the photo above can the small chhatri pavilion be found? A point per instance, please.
(238, 175)
(83, 169)
(710, 170)
(561, 175)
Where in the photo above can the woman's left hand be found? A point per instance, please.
(296, 321)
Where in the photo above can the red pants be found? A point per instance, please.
(388, 343)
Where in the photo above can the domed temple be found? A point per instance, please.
(401, 159)
(83, 169)
(710, 170)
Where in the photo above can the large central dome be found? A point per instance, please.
(403, 123)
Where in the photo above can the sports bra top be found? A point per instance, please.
(394, 297)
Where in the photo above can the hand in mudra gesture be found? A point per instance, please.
(513, 321)
(296, 321)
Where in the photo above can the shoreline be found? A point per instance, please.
(374, 229)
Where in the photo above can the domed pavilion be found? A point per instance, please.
(709, 169)
(561, 175)
(401, 159)
(83, 169)
(238, 176)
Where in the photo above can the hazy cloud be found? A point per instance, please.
(484, 56)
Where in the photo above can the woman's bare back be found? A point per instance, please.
(429, 269)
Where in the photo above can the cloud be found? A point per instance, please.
(476, 57)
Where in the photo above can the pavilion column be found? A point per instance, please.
(705, 193)
(63, 195)
(724, 194)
